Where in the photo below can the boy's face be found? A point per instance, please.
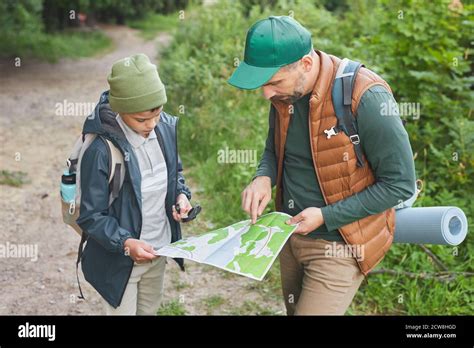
(143, 122)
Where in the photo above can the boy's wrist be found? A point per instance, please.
(183, 192)
(126, 246)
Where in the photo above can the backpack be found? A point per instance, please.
(346, 122)
(71, 185)
(342, 100)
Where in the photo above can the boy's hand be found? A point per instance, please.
(139, 251)
(184, 207)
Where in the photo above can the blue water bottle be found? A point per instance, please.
(68, 186)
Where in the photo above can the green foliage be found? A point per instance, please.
(19, 25)
(56, 13)
(22, 35)
(424, 60)
(154, 23)
(423, 53)
(51, 47)
(390, 294)
(44, 28)
(172, 308)
(214, 115)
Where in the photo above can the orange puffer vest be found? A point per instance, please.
(335, 161)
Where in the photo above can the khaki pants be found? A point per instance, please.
(144, 290)
(316, 284)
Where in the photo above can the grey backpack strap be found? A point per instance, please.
(117, 169)
(342, 101)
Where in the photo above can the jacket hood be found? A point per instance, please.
(102, 120)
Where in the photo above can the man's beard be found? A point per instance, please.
(287, 99)
(290, 99)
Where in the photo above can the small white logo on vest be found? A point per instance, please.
(330, 132)
(33, 331)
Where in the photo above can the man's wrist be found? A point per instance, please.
(265, 178)
(267, 175)
(326, 213)
(321, 215)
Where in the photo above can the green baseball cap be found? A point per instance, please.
(271, 43)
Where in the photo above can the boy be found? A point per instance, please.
(118, 259)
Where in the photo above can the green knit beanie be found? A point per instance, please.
(135, 85)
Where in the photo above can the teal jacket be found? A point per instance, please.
(104, 264)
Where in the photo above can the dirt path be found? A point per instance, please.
(36, 140)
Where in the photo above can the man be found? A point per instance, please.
(335, 200)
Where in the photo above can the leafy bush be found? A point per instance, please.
(22, 35)
(55, 13)
(44, 28)
(153, 23)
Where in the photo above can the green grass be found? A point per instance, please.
(13, 178)
(179, 285)
(154, 23)
(172, 308)
(400, 294)
(212, 303)
(51, 47)
(81, 44)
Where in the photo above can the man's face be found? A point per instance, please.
(143, 122)
(286, 86)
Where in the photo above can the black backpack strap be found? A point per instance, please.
(79, 255)
(115, 183)
(342, 101)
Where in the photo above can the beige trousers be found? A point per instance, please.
(314, 283)
(144, 290)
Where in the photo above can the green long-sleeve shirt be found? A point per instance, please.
(385, 144)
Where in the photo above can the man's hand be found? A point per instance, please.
(309, 220)
(139, 251)
(256, 196)
(184, 207)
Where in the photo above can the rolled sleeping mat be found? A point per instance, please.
(430, 225)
